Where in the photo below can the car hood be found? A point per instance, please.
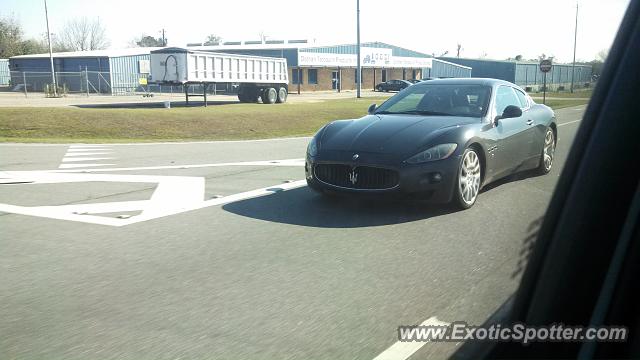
(388, 134)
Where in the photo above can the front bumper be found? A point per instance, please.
(432, 181)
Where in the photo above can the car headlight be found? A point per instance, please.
(437, 152)
(312, 148)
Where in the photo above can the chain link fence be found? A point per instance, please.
(92, 83)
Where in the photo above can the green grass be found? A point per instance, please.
(217, 122)
(582, 93)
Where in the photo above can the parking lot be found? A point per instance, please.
(219, 250)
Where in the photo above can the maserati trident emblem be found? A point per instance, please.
(355, 157)
(353, 177)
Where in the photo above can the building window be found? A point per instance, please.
(355, 76)
(294, 76)
(312, 76)
(384, 75)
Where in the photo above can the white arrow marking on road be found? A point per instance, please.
(173, 195)
(402, 350)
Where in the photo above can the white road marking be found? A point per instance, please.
(77, 154)
(403, 350)
(173, 195)
(285, 162)
(76, 166)
(569, 122)
(87, 154)
(75, 159)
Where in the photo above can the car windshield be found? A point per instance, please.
(436, 99)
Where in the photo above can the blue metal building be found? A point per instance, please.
(526, 74)
(99, 71)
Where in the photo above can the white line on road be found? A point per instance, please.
(77, 154)
(76, 166)
(402, 350)
(569, 122)
(285, 162)
(87, 153)
(75, 159)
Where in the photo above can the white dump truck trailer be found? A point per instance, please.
(257, 78)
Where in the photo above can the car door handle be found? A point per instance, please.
(529, 122)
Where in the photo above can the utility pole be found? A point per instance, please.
(53, 75)
(164, 40)
(575, 39)
(359, 68)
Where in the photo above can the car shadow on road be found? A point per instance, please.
(511, 178)
(304, 207)
(154, 105)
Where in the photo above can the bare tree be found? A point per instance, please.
(82, 34)
(602, 55)
(458, 50)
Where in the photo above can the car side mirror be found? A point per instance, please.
(372, 109)
(510, 111)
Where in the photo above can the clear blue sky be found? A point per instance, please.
(495, 28)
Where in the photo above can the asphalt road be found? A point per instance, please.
(232, 257)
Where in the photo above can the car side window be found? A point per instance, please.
(505, 96)
(524, 102)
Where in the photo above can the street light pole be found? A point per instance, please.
(359, 68)
(575, 39)
(53, 75)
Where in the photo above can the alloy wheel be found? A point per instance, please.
(469, 179)
(549, 149)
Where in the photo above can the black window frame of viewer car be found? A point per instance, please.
(411, 90)
(312, 76)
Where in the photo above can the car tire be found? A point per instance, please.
(379, 88)
(282, 95)
(269, 96)
(548, 152)
(468, 180)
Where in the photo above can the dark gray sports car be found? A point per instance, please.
(439, 140)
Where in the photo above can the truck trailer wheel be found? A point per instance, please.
(282, 95)
(269, 96)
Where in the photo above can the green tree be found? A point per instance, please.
(148, 41)
(10, 38)
(213, 40)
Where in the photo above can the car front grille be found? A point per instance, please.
(359, 177)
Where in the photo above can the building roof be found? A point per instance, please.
(521, 62)
(92, 53)
(310, 47)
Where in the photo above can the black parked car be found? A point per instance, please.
(393, 85)
(441, 140)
